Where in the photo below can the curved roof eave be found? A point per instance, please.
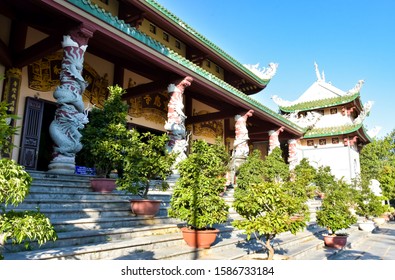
(178, 23)
(335, 131)
(160, 49)
(320, 103)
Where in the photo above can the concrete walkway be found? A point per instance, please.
(378, 245)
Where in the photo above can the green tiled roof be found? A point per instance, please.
(101, 14)
(336, 130)
(319, 104)
(177, 21)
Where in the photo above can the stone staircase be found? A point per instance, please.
(93, 226)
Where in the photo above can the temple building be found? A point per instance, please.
(58, 57)
(333, 123)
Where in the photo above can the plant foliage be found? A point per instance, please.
(145, 158)
(103, 138)
(267, 201)
(14, 186)
(196, 197)
(335, 212)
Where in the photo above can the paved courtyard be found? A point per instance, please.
(379, 245)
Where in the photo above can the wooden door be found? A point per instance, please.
(31, 130)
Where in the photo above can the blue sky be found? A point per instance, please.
(349, 39)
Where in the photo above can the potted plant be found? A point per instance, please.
(369, 206)
(103, 139)
(145, 161)
(335, 214)
(268, 201)
(196, 197)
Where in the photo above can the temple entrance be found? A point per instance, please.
(36, 142)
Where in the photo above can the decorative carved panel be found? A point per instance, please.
(210, 129)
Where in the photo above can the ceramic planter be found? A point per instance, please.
(199, 238)
(145, 207)
(335, 241)
(379, 221)
(368, 226)
(103, 185)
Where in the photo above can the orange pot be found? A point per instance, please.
(199, 238)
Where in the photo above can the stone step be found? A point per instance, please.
(67, 225)
(87, 237)
(79, 213)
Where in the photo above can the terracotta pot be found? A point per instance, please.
(145, 207)
(335, 241)
(199, 238)
(103, 185)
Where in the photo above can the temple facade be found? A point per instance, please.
(333, 122)
(58, 58)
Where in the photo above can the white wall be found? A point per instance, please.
(343, 160)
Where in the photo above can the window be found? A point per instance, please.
(208, 63)
(335, 140)
(217, 68)
(310, 142)
(334, 111)
(165, 36)
(178, 44)
(322, 142)
(152, 28)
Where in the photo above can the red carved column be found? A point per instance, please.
(273, 139)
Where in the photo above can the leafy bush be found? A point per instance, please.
(335, 212)
(103, 138)
(268, 202)
(14, 186)
(196, 198)
(145, 158)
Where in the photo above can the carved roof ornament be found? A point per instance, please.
(357, 87)
(305, 121)
(317, 73)
(281, 102)
(364, 113)
(266, 73)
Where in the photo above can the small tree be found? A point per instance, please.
(324, 179)
(267, 201)
(335, 212)
(305, 176)
(196, 198)
(369, 205)
(145, 159)
(103, 138)
(14, 186)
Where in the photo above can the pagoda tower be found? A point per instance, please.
(333, 123)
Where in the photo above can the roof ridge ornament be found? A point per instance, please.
(320, 78)
(265, 73)
(364, 113)
(356, 88)
(281, 102)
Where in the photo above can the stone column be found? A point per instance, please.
(273, 139)
(175, 124)
(70, 116)
(292, 153)
(240, 145)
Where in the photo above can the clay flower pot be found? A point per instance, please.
(103, 185)
(145, 207)
(335, 241)
(199, 238)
